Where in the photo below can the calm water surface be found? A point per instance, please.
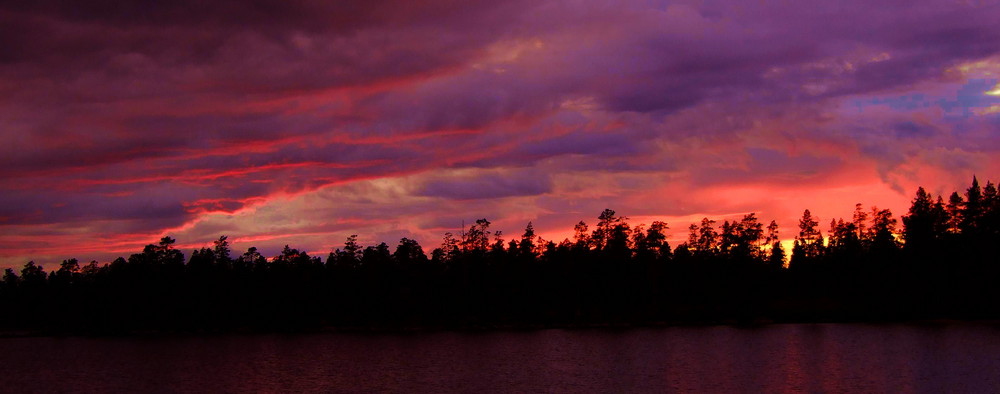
(777, 358)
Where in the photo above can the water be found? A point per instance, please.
(778, 358)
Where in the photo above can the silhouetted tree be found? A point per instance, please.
(972, 210)
(68, 272)
(843, 240)
(924, 223)
(607, 224)
(616, 247)
(291, 257)
(652, 245)
(251, 259)
(222, 252)
(776, 253)
(477, 239)
(955, 213)
(581, 236)
(377, 256)
(990, 221)
(91, 269)
(497, 248)
(526, 248)
(776, 256)
(348, 258)
(860, 221)
(10, 278)
(409, 252)
(703, 240)
(69, 267)
(747, 236)
(808, 245)
(882, 234)
(202, 261)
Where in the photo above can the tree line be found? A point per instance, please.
(940, 262)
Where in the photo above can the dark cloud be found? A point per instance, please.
(617, 144)
(914, 130)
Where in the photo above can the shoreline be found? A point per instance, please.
(480, 328)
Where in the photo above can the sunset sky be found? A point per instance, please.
(302, 122)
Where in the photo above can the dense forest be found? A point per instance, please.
(939, 263)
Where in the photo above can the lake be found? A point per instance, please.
(936, 358)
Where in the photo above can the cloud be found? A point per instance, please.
(301, 121)
(491, 184)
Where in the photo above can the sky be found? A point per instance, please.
(302, 122)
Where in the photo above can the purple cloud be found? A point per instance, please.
(283, 120)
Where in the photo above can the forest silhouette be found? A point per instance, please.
(939, 263)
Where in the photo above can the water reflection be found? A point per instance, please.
(789, 358)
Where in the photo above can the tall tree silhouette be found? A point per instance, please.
(925, 222)
(956, 215)
(808, 245)
(776, 253)
(526, 248)
(990, 221)
(581, 236)
(973, 210)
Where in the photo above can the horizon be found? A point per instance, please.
(674, 237)
(302, 124)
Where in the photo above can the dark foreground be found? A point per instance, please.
(484, 294)
(616, 275)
